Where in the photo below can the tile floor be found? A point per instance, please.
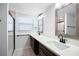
(24, 52)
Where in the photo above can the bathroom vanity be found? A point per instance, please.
(40, 49)
(46, 46)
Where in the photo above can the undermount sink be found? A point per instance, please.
(59, 45)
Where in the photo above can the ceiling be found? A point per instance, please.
(33, 9)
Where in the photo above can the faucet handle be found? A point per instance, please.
(65, 40)
(60, 36)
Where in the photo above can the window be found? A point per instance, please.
(25, 24)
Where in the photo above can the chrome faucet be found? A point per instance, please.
(60, 36)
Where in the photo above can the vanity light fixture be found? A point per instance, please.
(40, 16)
(60, 5)
(60, 18)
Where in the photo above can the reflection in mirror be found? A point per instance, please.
(67, 22)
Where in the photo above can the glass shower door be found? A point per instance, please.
(10, 35)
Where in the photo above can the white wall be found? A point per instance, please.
(3, 29)
(35, 24)
(49, 21)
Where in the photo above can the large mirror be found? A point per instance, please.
(67, 20)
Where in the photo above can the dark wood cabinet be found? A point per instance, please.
(32, 42)
(44, 51)
(40, 49)
(35, 45)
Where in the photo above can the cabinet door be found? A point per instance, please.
(34, 45)
(45, 51)
(41, 52)
(32, 42)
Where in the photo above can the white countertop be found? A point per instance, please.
(71, 51)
